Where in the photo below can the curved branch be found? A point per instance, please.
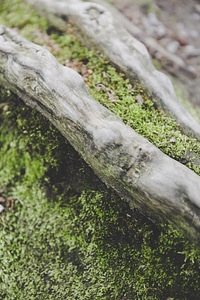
(126, 52)
(124, 160)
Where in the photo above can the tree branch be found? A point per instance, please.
(124, 160)
(127, 53)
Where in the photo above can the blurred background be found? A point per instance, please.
(171, 32)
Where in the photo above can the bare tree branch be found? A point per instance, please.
(124, 160)
(131, 56)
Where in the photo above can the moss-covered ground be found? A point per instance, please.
(64, 235)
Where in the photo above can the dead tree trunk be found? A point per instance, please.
(124, 160)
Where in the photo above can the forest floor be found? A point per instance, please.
(63, 235)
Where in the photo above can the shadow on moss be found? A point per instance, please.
(68, 236)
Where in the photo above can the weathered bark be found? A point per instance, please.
(151, 43)
(122, 49)
(124, 160)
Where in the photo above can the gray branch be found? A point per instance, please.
(105, 31)
(140, 173)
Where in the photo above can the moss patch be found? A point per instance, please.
(62, 241)
(130, 101)
(67, 236)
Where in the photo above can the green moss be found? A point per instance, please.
(68, 237)
(90, 246)
(63, 241)
(130, 101)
